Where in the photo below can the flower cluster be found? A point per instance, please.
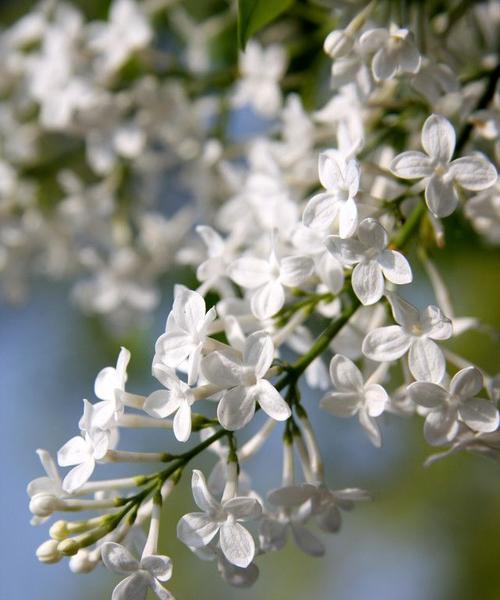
(310, 227)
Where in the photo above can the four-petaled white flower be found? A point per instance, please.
(441, 176)
(415, 332)
(261, 70)
(326, 505)
(177, 398)
(83, 451)
(340, 178)
(142, 575)
(127, 31)
(372, 259)
(109, 387)
(294, 509)
(185, 333)
(395, 51)
(242, 375)
(458, 403)
(268, 278)
(353, 396)
(198, 529)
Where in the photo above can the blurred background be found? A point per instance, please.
(430, 534)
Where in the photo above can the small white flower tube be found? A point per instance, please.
(315, 460)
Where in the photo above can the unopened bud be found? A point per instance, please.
(68, 547)
(82, 562)
(59, 531)
(338, 43)
(43, 505)
(48, 552)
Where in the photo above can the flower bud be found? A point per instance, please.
(48, 552)
(338, 43)
(59, 531)
(82, 562)
(68, 547)
(43, 505)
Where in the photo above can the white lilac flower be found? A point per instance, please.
(242, 375)
(440, 174)
(198, 529)
(294, 509)
(267, 279)
(114, 41)
(372, 259)
(177, 398)
(326, 505)
(185, 333)
(394, 51)
(415, 333)
(109, 387)
(261, 70)
(340, 178)
(457, 403)
(82, 451)
(353, 396)
(148, 573)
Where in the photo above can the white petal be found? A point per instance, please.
(329, 520)
(331, 166)
(188, 310)
(384, 65)
(376, 399)
(404, 313)
(320, 212)
(371, 427)
(373, 39)
(440, 426)
(221, 370)
(341, 404)
(105, 383)
(78, 476)
(161, 404)
(411, 165)
(259, 352)
(466, 383)
(196, 530)
(201, 494)
(352, 174)
(159, 566)
(294, 270)
(243, 508)
(182, 422)
(160, 591)
(427, 394)
(347, 251)
(118, 558)
(440, 196)
(368, 282)
(473, 173)
(250, 272)
(133, 587)
(395, 267)
(345, 375)
(348, 218)
(73, 452)
(426, 360)
(306, 541)
(291, 496)
(438, 138)
(267, 300)
(174, 347)
(386, 344)
(479, 414)
(236, 408)
(237, 544)
(409, 56)
(270, 401)
(372, 234)
(211, 239)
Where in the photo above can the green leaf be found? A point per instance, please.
(256, 14)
